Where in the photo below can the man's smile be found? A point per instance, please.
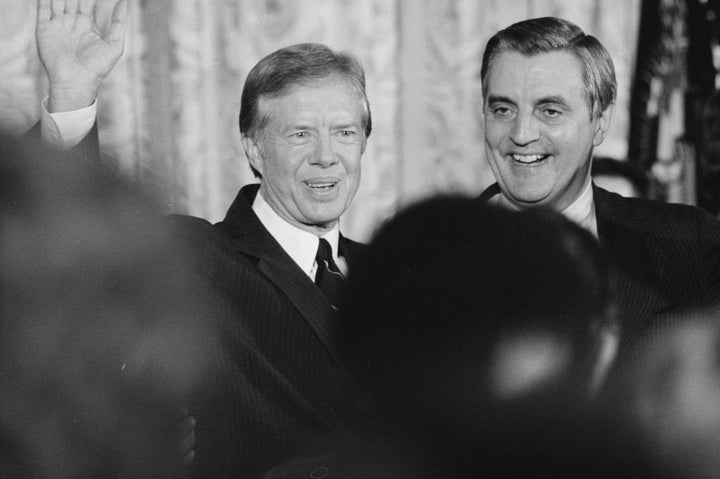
(528, 159)
(322, 186)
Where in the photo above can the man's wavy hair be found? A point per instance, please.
(549, 34)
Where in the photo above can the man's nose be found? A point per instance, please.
(324, 151)
(526, 129)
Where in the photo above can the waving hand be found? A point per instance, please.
(76, 54)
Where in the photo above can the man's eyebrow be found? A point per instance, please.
(299, 125)
(499, 99)
(557, 99)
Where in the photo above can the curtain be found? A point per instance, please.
(168, 111)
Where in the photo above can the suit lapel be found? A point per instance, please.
(250, 238)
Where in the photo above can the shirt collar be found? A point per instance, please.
(300, 245)
(581, 211)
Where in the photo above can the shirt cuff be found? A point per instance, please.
(66, 129)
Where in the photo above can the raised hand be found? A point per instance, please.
(76, 54)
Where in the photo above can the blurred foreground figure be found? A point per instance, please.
(99, 330)
(482, 336)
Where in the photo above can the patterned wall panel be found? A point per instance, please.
(168, 111)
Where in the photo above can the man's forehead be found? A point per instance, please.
(329, 83)
(336, 95)
(549, 75)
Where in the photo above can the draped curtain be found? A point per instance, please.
(168, 111)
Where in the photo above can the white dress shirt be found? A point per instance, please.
(66, 129)
(301, 245)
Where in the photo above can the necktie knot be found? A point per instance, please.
(328, 276)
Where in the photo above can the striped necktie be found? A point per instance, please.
(328, 276)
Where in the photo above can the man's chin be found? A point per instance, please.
(525, 200)
(323, 222)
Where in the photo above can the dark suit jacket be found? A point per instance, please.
(278, 388)
(667, 257)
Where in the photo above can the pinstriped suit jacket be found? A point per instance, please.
(667, 257)
(278, 388)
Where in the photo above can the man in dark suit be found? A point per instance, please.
(272, 269)
(282, 390)
(549, 91)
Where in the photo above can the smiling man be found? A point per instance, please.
(549, 91)
(281, 389)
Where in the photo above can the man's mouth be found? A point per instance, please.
(528, 159)
(321, 186)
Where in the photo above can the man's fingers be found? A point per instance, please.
(119, 22)
(58, 7)
(44, 11)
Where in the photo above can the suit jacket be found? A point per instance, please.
(277, 387)
(667, 258)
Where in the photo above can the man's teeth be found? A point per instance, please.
(321, 185)
(528, 158)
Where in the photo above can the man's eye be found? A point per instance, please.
(347, 132)
(501, 111)
(552, 112)
(300, 134)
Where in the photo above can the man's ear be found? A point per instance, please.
(603, 124)
(252, 151)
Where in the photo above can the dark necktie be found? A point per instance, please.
(328, 276)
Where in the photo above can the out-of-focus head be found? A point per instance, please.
(548, 93)
(99, 328)
(305, 120)
(459, 311)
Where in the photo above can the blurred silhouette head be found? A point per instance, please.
(98, 333)
(480, 326)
